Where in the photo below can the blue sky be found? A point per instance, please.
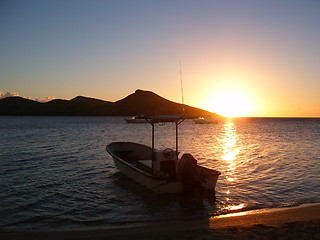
(265, 54)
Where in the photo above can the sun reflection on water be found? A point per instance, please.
(237, 207)
(230, 150)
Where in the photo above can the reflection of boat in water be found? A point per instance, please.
(202, 120)
(135, 119)
(162, 171)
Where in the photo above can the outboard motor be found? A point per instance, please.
(188, 172)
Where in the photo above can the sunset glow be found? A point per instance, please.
(229, 103)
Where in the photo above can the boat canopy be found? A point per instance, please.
(153, 119)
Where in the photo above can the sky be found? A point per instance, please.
(258, 58)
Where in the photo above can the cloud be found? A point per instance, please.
(14, 94)
(46, 99)
(8, 94)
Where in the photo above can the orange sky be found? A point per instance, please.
(239, 58)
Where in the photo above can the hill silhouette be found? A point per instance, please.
(138, 103)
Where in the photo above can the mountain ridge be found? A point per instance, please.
(141, 102)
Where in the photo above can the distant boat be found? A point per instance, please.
(202, 120)
(162, 171)
(135, 119)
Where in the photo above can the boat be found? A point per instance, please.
(202, 120)
(161, 170)
(135, 119)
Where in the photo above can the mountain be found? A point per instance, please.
(138, 103)
(19, 106)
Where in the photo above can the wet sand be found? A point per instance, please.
(302, 222)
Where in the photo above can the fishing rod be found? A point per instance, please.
(181, 88)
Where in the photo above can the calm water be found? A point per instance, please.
(55, 173)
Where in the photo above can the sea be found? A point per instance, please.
(56, 175)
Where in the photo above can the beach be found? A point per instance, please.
(301, 222)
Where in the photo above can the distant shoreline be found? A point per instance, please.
(124, 116)
(138, 103)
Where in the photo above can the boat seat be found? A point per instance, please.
(145, 165)
(127, 155)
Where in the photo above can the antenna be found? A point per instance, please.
(181, 88)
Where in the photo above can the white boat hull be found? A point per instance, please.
(155, 184)
(128, 155)
(134, 119)
(205, 121)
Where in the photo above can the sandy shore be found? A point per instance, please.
(301, 222)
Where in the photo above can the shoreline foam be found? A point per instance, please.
(270, 216)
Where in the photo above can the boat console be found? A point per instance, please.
(165, 163)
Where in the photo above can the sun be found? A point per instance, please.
(229, 103)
